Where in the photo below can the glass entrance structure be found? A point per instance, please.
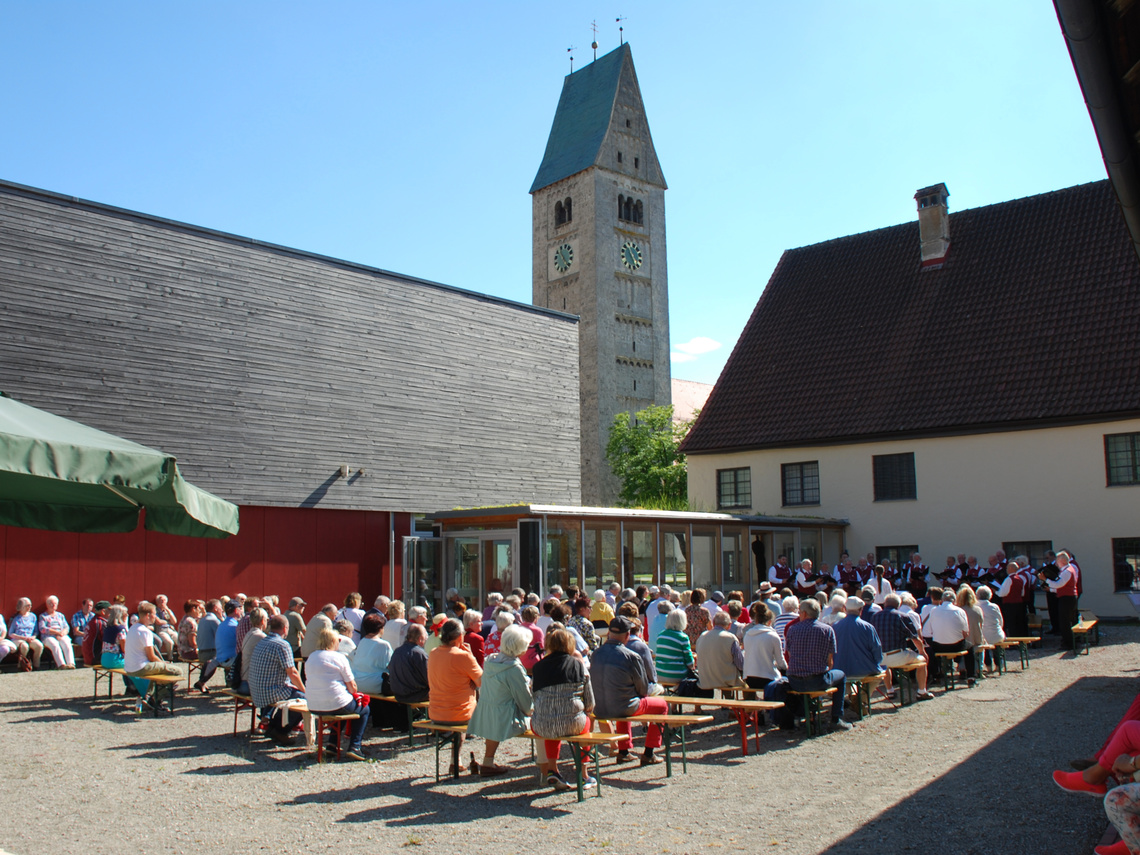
(537, 546)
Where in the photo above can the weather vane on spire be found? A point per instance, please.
(621, 29)
(570, 50)
(594, 43)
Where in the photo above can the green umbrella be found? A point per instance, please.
(60, 475)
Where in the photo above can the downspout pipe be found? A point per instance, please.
(1088, 44)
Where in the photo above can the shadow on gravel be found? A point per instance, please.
(1002, 799)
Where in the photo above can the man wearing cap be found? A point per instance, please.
(770, 597)
(713, 603)
(870, 607)
(858, 650)
(93, 634)
(296, 617)
(621, 689)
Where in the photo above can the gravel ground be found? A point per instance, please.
(966, 773)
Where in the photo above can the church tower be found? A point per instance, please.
(599, 252)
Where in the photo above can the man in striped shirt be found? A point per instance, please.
(790, 614)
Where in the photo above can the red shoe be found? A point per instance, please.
(1074, 782)
(1117, 848)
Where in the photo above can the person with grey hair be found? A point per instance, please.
(395, 625)
(789, 614)
(993, 628)
(720, 655)
(674, 651)
(949, 628)
(504, 699)
(811, 650)
(56, 635)
(859, 653)
(472, 621)
(504, 618)
(836, 609)
(494, 600)
(114, 637)
(346, 631)
(613, 595)
(407, 670)
(660, 611)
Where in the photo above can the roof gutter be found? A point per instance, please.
(1088, 43)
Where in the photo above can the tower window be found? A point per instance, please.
(619, 157)
(563, 212)
(628, 124)
(636, 162)
(630, 210)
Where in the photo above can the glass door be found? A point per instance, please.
(422, 565)
(479, 563)
(498, 566)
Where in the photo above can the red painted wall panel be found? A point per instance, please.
(41, 563)
(319, 555)
(291, 554)
(236, 564)
(112, 564)
(175, 566)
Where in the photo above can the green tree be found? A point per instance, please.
(643, 452)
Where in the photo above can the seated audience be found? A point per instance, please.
(408, 668)
(902, 642)
(580, 622)
(534, 648)
(296, 617)
(601, 611)
(504, 699)
(562, 699)
(258, 622)
(139, 658)
(621, 689)
(472, 637)
(967, 601)
(396, 627)
(453, 675)
(114, 637)
(80, 619)
(763, 652)
(7, 646)
(697, 617)
(55, 634)
(789, 614)
(674, 653)
(658, 609)
(353, 613)
(321, 620)
(720, 655)
(207, 643)
(92, 645)
(993, 626)
(225, 638)
(188, 631)
(370, 659)
(165, 625)
(330, 689)
(858, 650)
(494, 600)
(274, 681)
(638, 646)
(811, 658)
(949, 631)
(345, 630)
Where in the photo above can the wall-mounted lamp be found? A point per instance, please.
(344, 469)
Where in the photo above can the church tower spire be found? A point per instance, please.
(599, 252)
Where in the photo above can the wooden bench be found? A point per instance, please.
(242, 702)
(813, 706)
(744, 712)
(672, 729)
(107, 675)
(1081, 632)
(1022, 644)
(192, 665)
(164, 685)
(578, 744)
(445, 734)
(863, 687)
(947, 668)
(333, 723)
(903, 676)
(411, 709)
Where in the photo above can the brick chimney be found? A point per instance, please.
(933, 225)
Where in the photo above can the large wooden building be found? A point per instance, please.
(332, 401)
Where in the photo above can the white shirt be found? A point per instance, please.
(1063, 579)
(763, 655)
(773, 578)
(882, 588)
(354, 617)
(327, 673)
(394, 632)
(993, 630)
(139, 638)
(712, 606)
(948, 624)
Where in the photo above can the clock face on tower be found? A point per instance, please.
(631, 255)
(564, 257)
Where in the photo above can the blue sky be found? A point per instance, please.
(405, 136)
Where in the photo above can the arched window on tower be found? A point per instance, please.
(559, 213)
(630, 210)
(569, 206)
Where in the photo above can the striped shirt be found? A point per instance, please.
(674, 655)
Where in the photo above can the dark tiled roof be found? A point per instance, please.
(582, 119)
(1033, 319)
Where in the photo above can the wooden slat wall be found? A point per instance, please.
(264, 369)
